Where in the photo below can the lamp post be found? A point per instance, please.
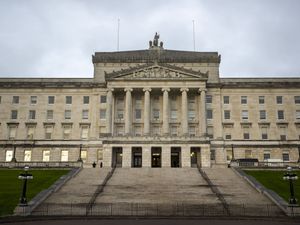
(232, 152)
(290, 176)
(79, 157)
(24, 176)
(14, 154)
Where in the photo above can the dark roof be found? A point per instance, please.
(157, 54)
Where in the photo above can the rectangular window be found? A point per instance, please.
(285, 157)
(248, 154)
(27, 155)
(267, 155)
(30, 132)
(86, 99)
(64, 156)
(227, 136)
(280, 114)
(212, 154)
(209, 114)
(12, 132)
(15, 100)
(68, 114)
(174, 114)
(85, 114)
(210, 132)
(103, 99)
(69, 100)
(84, 132)
(243, 100)
(282, 137)
(156, 114)
(138, 131)
(9, 155)
(226, 99)
(33, 100)
(138, 114)
(191, 115)
(49, 114)
(208, 99)
(48, 132)
(174, 130)
(120, 130)
(192, 131)
(297, 99)
(261, 99)
(264, 133)
(14, 114)
(67, 132)
(138, 102)
(120, 114)
(46, 156)
(191, 103)
(279, 100)
(227, 114)
(32, 114)
(245, 114)
(246, 136)
(102, 114)
(100, 154)
(297, 114)
(51, 100)
(262, 114)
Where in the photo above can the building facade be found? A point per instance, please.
(149, 108)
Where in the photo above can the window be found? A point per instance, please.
(244, 114)
(262, 114)
(102, 114)
(30, 132)
(246, 132)
(31, 114)
(227, 114)
(33, 100)
(138, 114)
(280, 114)
(48, 132)
(9, 155)
(210, 132)
(156, 114)
(173, 130)
(138, 102)
(51, 100)
(209, 114)
(120, 114)
(68, 114)
(246, 136)
(15, 100)
(208, 99)
(46, 156)
(68, 100)
(227, 136)
(174, 114)
(191, 115)
(84, 132)
(64, 157)
(226, 99)
(67, 132)
(86, 99)
(100, 154)
(212, 154)
(243, 100)
(267, 156)
(138, 131)
(283, 137)
(27, 155)
(191, 102)
(120, 131)
(264, 133)
(297, 99)
(49, 114)
(261, 99)
(14, 114)
(297, 114)
(103, 99)
(83, 155)
(285, 157)
(192, 130)
(279, 99)
(228, 154)
(85, 114)
(282, 132)
(12, 132)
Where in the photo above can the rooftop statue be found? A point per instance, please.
(155, 42)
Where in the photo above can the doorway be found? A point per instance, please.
(156, 156)
(175, 157)
(195, 157)
(136, 157)
(117, 156)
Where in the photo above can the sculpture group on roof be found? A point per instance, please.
(154, 43)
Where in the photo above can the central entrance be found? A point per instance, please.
(136, 157)
(156, 156)
(175, 157)
(195, 157)
(117, 157)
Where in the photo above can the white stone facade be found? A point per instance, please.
(150, 108)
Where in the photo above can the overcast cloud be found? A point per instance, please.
(56, 38)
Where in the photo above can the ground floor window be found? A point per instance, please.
(267, 155)
(46, 156)
(27, 155)
(83, 155)
(64, 155)
(9, 155)
(285, 156)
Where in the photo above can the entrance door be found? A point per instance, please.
(175, 157)
(195, 157)
(117, 157)
(156, 157)
(136, 157)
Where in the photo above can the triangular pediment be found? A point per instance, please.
(156, 72)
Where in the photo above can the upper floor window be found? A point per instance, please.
(261, 99)
(68, 114)
(226, 99)
(120, 114)
(280, 114)
(297, 99)
(191, 115)
(49, 114)
(156, 114)
(262, 114)
(33, 100)
(69, 100)
(173, 114)
(191, 102)
(31, 114)
(243, 100)
(138, 102)
(264, 132)
(297, 114)
(245, 115)
(209, 114)
(279, 99)
(85, 114)
(103, 99)
(208, 99)
(227, 114)
(15, 100)
(51, 100)
(86, 99)
(102, 114)
(14, 114)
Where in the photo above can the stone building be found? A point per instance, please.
(149, 108)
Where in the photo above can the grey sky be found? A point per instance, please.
(56, 38)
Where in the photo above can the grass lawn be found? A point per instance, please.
(11, 186)
(273, 180)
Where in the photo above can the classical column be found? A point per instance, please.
(184, 110)
(109, 116)
(166, 111)
(202, 112)
(147, 111)
(128, 110)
